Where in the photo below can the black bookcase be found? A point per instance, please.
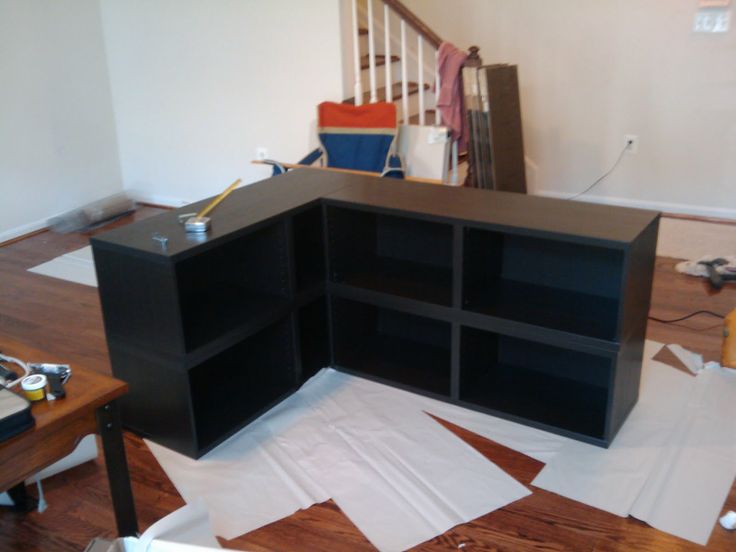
(532, 381)
(402, 256)
(232, 286)
(529, 308)
(546, 282)
(392, 346)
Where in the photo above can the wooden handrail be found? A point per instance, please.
(414, 22)
(346, 171)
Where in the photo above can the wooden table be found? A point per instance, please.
(90, 406)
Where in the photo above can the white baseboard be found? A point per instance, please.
(19, 231)
(167, 201)
(29, 228)
(665, 207)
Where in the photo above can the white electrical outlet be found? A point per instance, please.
(261, 153)
(631, 141)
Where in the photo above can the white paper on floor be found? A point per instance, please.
(184, 530)
(676, 450)
(697, 467)
(395, 472)
(535, 443)
(77, 266)
(249, 481)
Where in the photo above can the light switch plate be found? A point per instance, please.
(712, 21)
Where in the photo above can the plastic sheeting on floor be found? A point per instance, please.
(396, 473)
(674, 460)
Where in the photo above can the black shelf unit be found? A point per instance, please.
(232, 285)
(530, 308)
(314, 338)
(552, 283)
(392, 346)
(547, 385)
(402, 256)
(236, 385)
(309, 248)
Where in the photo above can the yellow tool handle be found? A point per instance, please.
(728, 353)
(215, 202)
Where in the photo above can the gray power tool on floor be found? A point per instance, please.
(717, 278)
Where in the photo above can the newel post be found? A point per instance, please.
(473, 61)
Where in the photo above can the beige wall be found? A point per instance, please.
(198, 86)
(592, 71)
(58, 147)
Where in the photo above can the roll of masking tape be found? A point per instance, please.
(34, 387)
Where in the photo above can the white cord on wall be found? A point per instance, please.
(594, 184)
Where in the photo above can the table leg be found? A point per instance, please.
(22, 501)
(110, 429)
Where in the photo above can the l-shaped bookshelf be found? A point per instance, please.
(529, 308)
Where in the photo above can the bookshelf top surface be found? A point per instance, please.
(581, 221)
(259, 202)
(246, 207)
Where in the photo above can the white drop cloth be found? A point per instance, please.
(672, 463)
(397, 474)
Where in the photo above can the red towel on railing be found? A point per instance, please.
(450, 60)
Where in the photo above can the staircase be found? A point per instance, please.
(381, 35)
(395, 59)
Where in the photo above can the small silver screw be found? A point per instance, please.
(161, 239)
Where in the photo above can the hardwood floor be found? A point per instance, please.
(65, 318)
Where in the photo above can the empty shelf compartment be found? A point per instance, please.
(233, 285)
(314, 339)
(309, 248)
(557, 387)
(233, 387)
(555, 284)
(391, 345)
(396, 255)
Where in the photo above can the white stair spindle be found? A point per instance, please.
(371, 53)
(454, 163)
(358, 85)
(387, 52)
(404, 77)
(420, 71)
(437, 84)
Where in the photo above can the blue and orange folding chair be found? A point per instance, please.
(355, 138)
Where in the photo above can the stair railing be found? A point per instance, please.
(424, 35)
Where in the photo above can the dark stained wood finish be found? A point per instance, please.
(506, 142)
(473, 60)
(396, 93)
(64, 319)
(380, 60)
(201, 303)
(430, 117)
(414, 22)
(251, 206)
(593, 224)
(61, 424)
